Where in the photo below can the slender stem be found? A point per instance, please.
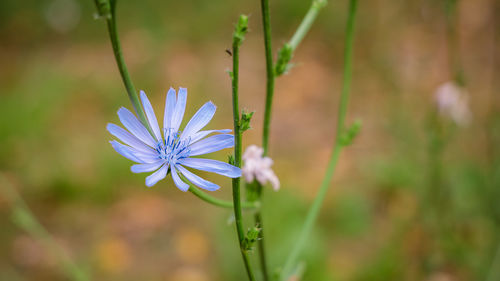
(299, 34)
(266, 22)
(237, 140)
(25, 219)
(120, 61)
(285, 54)
(306, 23)
(237, 39)
(270, 75)
(494, 272)
(219, 202)
(261, 245)
(455, 63)
(344, 99)
(311, 216)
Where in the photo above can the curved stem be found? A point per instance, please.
(494, 272)
(237, 39)
(455, 63)
(120, 61)
(25, 219)
(285, 54)
(261, 245)
(306, 23)
(219, 202)
(318, 201)
(266, 22)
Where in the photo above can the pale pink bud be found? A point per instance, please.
(453, 102)
(258, 167)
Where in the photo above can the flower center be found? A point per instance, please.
(172, 148)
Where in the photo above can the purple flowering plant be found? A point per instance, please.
(170, 149)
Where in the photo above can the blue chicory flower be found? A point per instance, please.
(171, 149)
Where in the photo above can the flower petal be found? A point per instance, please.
(180, 107)
(213, 166)
(199, 120)
(275, 182)
(146, 157)
(147, 167)
(169, 108)
(150, 113)
(177, 180)
(157, 176)
(125, 151)
(211, 144)
(201, 134)
(138, 156)
(130, 122)
(128, 138)
(210, 186)
(267, 175)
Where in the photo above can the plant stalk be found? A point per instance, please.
(122, 67)
(270, 76)
(318, 201)
(306, 23)
(237, 39)
(266, 22)
(219, 202)
(494, 271)
(25, 219)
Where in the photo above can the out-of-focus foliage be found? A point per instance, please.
(415, 196)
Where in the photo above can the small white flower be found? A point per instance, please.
(452, 101)
(258, 167)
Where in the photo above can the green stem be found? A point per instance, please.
(25, 219)
(270, 76)
(266, 22)
(120, 61)
(455, 63)
(219, 202)
(299, 34)
(306, 23)
(237, 39)
(318, 201)
(286, 52)
(494, 272)
(261, 245)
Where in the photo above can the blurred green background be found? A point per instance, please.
(414, 198)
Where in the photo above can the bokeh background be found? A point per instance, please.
(415, 197)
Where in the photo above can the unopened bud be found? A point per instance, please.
(103, 8)
(245, 120)
(230, 159)
(284, 56)
(251, 238)
(240, 30)
(348, 136)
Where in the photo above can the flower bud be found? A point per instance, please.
(103, 8)
(240, 30)
(245, 120)
(251, 238)
(284, 56)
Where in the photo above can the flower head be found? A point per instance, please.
(452, 101)
(171, 149)
(258, 167)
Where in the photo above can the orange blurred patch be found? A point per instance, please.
(139, 216)
(187, 274)
(113, 255)
(191, 245)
